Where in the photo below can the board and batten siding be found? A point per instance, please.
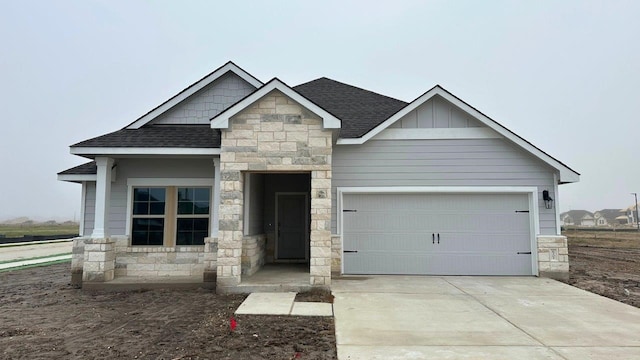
(208, 102)
(436, 113)
(140, 168)
(458, 162)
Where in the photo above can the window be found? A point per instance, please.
(167, 216)
(193, 216)
(148, 216)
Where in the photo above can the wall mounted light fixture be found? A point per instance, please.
(548, 200)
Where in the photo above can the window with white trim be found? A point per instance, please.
(148, 216)
(193, 215)
(168, 216)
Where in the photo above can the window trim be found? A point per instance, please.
(166, 182)
(152, 216)
(189, 216)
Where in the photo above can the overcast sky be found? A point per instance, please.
(562, 74)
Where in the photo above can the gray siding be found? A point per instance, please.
(468, 162)
(436, 113)
(141, 168)
(208, 102)
(89, 207)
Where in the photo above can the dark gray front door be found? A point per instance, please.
(292, 231)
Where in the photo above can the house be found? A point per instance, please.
(608, 217)
(232, 173)
(577, 218)
(630, 213)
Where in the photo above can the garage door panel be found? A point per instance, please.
(398, 263)
(480, 234)
(477, 264)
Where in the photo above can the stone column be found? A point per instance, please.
(230, 229)
(211, 243)
(553, 257)
(99, 250)
(320, 262)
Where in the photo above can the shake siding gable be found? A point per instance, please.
(208, 102)
(461, 162)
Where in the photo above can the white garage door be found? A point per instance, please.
(437, 234)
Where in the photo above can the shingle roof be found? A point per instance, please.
(84, 169)
(360, 110)
(158, 136)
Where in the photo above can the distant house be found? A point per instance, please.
(630, 214)
(577, 218)
(609, 217)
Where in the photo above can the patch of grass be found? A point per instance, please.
(38, 229)
(612, 239)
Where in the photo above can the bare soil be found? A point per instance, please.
(43, 317)
(606, 263)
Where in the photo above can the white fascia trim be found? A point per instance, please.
(143, 151)
(77, 177)
(437, 133)
(530, 191)
(193, 89)
(137, 182)
(221, 121)
(566, 175)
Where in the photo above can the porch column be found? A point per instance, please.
(99, 250)
(211, 243)
(103, 195)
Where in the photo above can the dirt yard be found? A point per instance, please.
(43, 317)
(606, 263)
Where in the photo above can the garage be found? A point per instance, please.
(437, 233)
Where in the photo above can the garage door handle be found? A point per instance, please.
(433, 238)
(438, 238)
(524, 252)
(350, 251)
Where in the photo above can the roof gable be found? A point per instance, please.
(192, 89)
(566, 174)
(221, 121)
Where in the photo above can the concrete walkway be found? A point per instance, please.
(281, 303)
(32, 253)
(404, 317)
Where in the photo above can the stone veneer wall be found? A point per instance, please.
(98, 260)
(275, 134)
(253, 253)
(155, 261)
(336, 254)
(77, 261)
(553, 256)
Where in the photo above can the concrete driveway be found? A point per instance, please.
(416, 317)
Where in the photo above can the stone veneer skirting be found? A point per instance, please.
(102, 260)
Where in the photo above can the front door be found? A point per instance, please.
(291, 227)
